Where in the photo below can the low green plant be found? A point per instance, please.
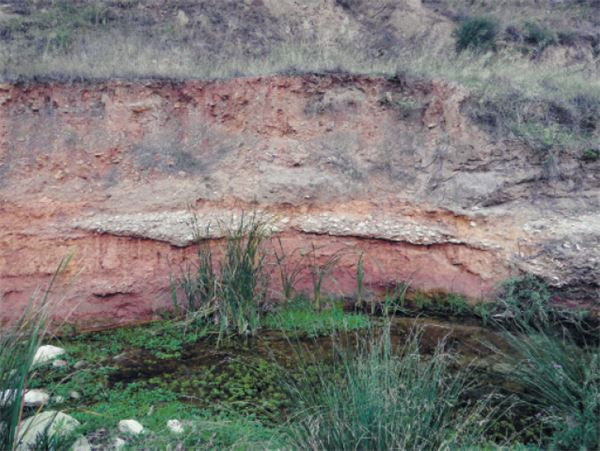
(209, 431)
(476, 33)
(457, 304)
(525, 300)
(483, 311)
(380, 398)
(561, 380)
(300, 317)
(590, 155)
(538, 35)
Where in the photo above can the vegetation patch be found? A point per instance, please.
(560, 381)
(300, 318)
(386, 399)
(229, 292)
(476, 33)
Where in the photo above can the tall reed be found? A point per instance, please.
(289, 269)
(319, 270)
(228, 291)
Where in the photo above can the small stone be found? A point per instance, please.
(46, 354)
(74, 395)
(7, 396)
(36, 398)
(182, 18)
(59, 363)
(81, 444)
(175, 426)
(79, 364)
(58, 399)
(119, 443)
(131, 427)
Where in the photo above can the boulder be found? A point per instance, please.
(52, 421)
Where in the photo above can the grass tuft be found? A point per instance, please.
(476, 33)
(377, 398)
(561, 380)
(229, 294)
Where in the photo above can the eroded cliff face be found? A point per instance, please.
(110, 171)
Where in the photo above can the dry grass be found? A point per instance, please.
(225, 39)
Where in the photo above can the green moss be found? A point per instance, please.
(164, 339)
(241, 384)
(300, 317)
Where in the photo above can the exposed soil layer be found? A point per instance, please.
(391, 168)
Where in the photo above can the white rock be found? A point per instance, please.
(81, 444)
(55, 422)
(47, 353)
(7, 396)
(175, 426)
(36, 398)
(74, 395)
(119, 443)
(182, 18)
(131, 427)
(79, 364)
(58, 399)
(59, 363)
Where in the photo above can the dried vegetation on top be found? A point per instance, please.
(533, 67)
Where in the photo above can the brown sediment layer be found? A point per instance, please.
(110, 171)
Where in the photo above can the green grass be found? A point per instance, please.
(476, 33)
(528, 301)
(207, 431)
(561, 380)
(381, 398)
(300, 317)
(538, 35)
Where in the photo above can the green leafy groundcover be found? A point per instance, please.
(300, 317)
